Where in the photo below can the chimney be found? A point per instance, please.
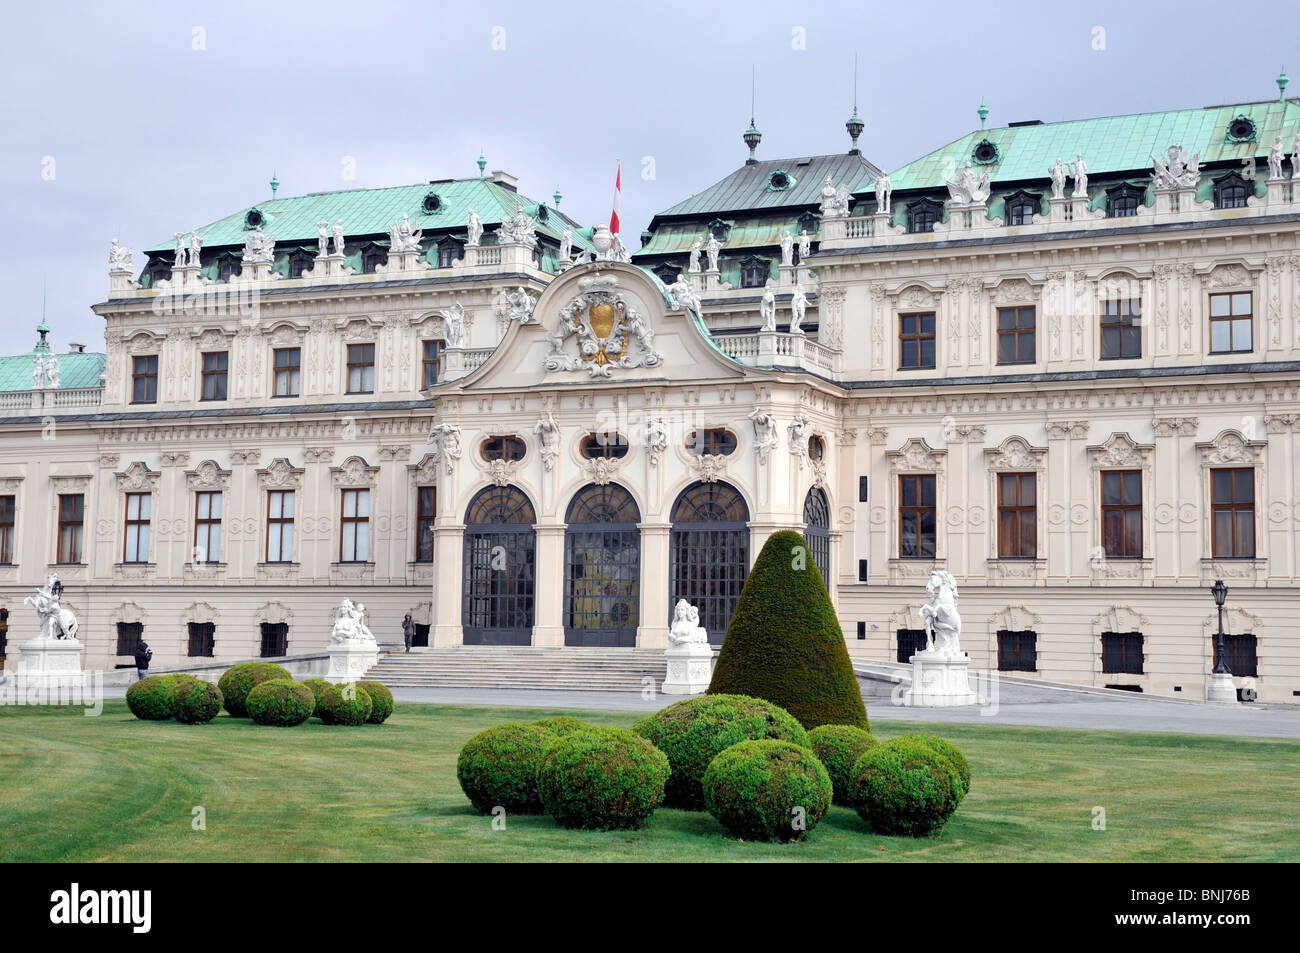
(505, 179)
(75, 348)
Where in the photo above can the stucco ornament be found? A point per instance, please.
(518, 229)
(547, 430)
(519, 306)
(610, 332)
(968, 188)
(454, 321)
(1177, 171)
(56, 621)
(939, 614)
(798, 431)
(765, 439)
(684, 296)
(445, 439)
(656, 439)
(402, 238)
(259, 248)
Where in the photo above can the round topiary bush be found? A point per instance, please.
(951, 752)
(239, 680)
(150, 699)
(904, 787)
(381, 701)
(317, 686)
(561, 725)
(767, 790)
(839, 747)
(498, 767)
(196, 703)
(346, 704)
(176, 679)
(694, 731)
(281, 702)
(602, 779)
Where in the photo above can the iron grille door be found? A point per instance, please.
(817, 531)
(709, 549)
(499, 571)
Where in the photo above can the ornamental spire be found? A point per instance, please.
(752, 136)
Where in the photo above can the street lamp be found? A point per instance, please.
(1222, 690)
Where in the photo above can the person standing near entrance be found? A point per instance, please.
(408, 631)
(142, 656)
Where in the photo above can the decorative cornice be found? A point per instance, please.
(1176, 426)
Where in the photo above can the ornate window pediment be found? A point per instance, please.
(1120, 451)
(916, 298)
(286, 335)
(358, 331)
(1231, 447)
(280, 474)
(1015, 453)
(143, 343)
(208, 475)
(1230, 276)
(424, 473)
(916, 455)
(355, 471)
(1014, 291)
(138, 477)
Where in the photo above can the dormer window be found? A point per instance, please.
(754, 272)
(158, 271)
(372, 257)
(227, 267)
(985, 153)
(449, 250)
(779, 181)
(719, 229)
(1242, 129)
(923, 215)
(432, 204)
(667, 272)
(299, 262)
(1123, 201)
(808, 222)
(1231, 191)
(1021, 208)
(254, 219)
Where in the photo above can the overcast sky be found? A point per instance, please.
(139, 120)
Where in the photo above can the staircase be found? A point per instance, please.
(525, 669)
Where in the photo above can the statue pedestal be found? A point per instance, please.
(940, 681)
(690, 668)
(49, 663)
(1222, 690)
(349, 661)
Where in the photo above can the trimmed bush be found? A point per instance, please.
(317, 686)
(345, 704)
(784, 643)
(239, 680)
(767, 790)
(904, 787)
(561, 725)
(951, 752)
(381, 701)
(839, 747)
(498, 767)
(281, 702)
(175, 680)
(694, 731)
(602, 779)
(150, 699)
(196, 703)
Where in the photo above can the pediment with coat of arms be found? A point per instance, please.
(600, 331)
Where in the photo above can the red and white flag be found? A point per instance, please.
(618, 199)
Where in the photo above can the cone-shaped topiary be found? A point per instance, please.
(784, 642)
(839, 747)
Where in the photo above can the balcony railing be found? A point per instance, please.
(779, 348)
(18, 403)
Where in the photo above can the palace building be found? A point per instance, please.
(1060, 361)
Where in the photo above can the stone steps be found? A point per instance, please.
(524, 669)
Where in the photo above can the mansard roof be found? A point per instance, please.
(76, 370)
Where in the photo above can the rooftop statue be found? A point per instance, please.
(1079, 169)
(798, 305)
(1179, 170)
(519, 305)
(684, 296)
(322, 239)
(259, 248)
(968, 188)
(402, 239)
(767, 308)
(119, 257)
(696, 246)
(712, 249)
(518, 229)
(1057, 174)
(884, 194)
(338, 238)
(805, 244)
(196, 246)
(52, 371)
(179, 259)
(787, 248)
(566, 245)
(475, 229)
(1275, 159)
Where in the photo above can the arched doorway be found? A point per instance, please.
(709, 547)
(500, 551)
(817, 531)
(602, 568)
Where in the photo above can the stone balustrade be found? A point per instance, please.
(27, 402)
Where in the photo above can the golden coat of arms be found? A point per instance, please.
(605, 326)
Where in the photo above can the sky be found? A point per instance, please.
(140, 120)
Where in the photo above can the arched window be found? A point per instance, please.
(603, 445)
(602, 568)
(509, 449)
(709, 547)
(817, 531)
(1230, 191)
(500, 550)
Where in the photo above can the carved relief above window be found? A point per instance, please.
(138, 477)
(286, 335)
(355, 472)
(280, 474)
(208, 475)
(914, 455)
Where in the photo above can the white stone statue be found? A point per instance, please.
(712, 249)
(969, 188)
(696, 246)
(618, 251)
(453, 319)
(798, 306)
(767, 308)
(939, 615)
(830, 207)
(548, 434)
(798, 435)
(196, 246)
(765, 438)
(349, 624)
(1057, 174)
(1079, 170)
(805, 244)
(56, 621)
(179, 260)
(38, 372)
(843, 199)
(338, 238)
(475, 229)
(787, 248)
(119, 258)
(52, 371)
(566, 245)
(1179, 171)
(259, 248)
(1275, 159)
(1295, 157)
(322, 239)
(518, 229)
(686, 628)
(684, 296)
(445, 438)
(884, 195)
(402, 239)
(519, 306)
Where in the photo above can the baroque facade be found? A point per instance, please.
(1076, 388)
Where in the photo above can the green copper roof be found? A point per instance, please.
(1110, 144)
(373, 212)
(75, 370)
(748, 187)
(745, 234)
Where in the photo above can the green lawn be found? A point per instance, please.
(74, 788)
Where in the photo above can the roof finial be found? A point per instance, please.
(557, 196)
(1282, 80)
(482, 163)
(275, 184)
(752, 136)
(983, 111)
(855, 125)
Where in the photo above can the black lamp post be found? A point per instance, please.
(1220, 593)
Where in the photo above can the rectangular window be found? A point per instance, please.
(135, 547)
(288, 371)
(1121, 513)
(1016, 336)
(207, 526)
(361, 368)
(355, 544)
(275, 639)
(1232, 509)
(128, 637)
(215, 365)
(1121, 331)
(916, 517)
(72, 515)
(1017, 516)
(8, 510)
(426, 512)
(862, 489)
(1121, 653)
(429, 351)
(1240, 650)
(910, 641)
(1017, 651)
(1230, 322)
(916, 340)
(279, 526)
(144, 379)
(202, 639)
